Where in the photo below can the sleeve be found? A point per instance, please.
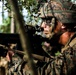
(69, 64)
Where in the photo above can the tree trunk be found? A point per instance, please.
(12, 22)
(2, 11)
(23, 36)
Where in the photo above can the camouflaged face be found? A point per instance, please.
(64, 11)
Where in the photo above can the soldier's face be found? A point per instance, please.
(47, 29)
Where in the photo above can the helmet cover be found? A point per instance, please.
(63, 10)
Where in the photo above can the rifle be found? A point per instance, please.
(35, 56)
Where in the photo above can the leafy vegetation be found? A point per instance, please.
(5, 26)
(32, 7)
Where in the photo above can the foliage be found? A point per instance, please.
(32, 7)
(5, 26)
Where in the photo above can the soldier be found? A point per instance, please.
(59, 16)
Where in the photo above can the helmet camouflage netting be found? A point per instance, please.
(63, 10)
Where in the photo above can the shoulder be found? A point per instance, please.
(73, 43)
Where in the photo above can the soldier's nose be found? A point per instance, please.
(43, 25)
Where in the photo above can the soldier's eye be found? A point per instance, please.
(48, 21)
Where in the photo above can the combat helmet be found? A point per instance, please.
(63, 10)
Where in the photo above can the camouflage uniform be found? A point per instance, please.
(18, 66)
(14, 65)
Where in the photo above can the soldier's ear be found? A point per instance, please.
(57, 27)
